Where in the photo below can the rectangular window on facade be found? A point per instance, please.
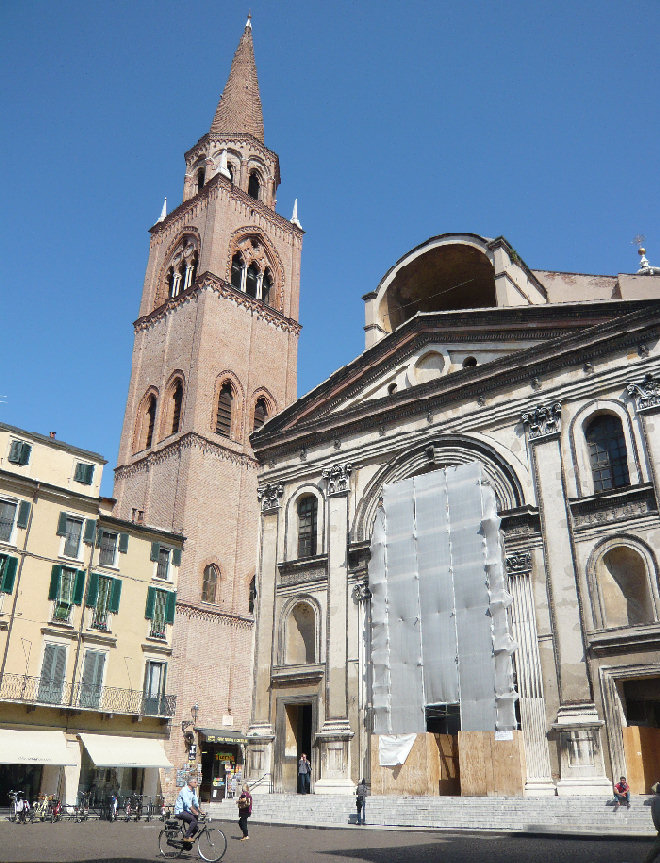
(84, 473)
(163, 568)
(92, 679)
(70, 528)
(107, 541)
(102, 610)
(103, 597)
(67, 586)
(158, 620)
(154, 687)
(19, 452)
(53, 671)
(7, 516)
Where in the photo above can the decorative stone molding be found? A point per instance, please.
(543, 421)
(519, 562)
(270, 495)
(613, 507)
(222, 617)
(646, 393)
(338, 478)
(361, 592)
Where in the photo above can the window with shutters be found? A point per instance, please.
(210, 580)
(84, 473)
(71, 531)
(64, 599)
(7, 518)
(53, 672)
(8, 569)
(107, 542)
(307, 509)
(154, 687)
(164, 557)
(163, 565)
(103, 596)
(159, 615)
(607, 452)
(91, 685)
(19, 452)
(223, 414)
(260, 413)
(100, 619)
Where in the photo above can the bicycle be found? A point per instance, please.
(19, 807)
(211, 842)
(40, 810)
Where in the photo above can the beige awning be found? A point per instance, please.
(34, 747)
(107, 750)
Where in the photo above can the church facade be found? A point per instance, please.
(214, 356)
(550, 382)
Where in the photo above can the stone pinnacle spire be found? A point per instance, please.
(239, 109)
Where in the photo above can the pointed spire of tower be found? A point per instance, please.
(239, 109)
(163, 212)
(294, 215)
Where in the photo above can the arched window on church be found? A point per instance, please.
(170, 283)
(301, 635)
(624, 587)
(223, 414)
(254, 185)
(150, 421)
(252, 594)
(266, 286)
(251, 280)
(201, 177)
(177, 402)
(260, 413)
(237, 267)
(307, 510)
(210, 580)
(607, 452)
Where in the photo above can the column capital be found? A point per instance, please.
(519, 562)
(542, 421)
(270, 495)
(338, 478)
(646, 393)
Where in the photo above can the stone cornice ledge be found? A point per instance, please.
(288, 567)
(286, 674)
(623, 640)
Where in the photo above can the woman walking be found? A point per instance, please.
(244, 811)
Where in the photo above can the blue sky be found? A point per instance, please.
(393, 122)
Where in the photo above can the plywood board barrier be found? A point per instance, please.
(642, 748)
(490, 767)
(431, 768)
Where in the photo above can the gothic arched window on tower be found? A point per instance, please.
(210, 581)
(252, 280)
(223, 414)
(260, 413)
(201, 177)
(307, 509)
(177, 401)
(254, 185)
(266, 286)
(237, 268)
(150, 421)
(607, 452)
(181, 269)
(252, 594)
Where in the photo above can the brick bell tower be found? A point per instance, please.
(214, 357)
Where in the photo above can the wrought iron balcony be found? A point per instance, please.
(35, 691)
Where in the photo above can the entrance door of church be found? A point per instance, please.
(295, 723)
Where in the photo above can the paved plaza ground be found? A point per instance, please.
(137, 843)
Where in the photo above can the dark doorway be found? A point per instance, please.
(295, 731)
(20, 777)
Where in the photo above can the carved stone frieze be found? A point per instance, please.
(646, 393)
(543, 421)
(519, 562)
(270, 495)
(338, 478)
(607, 509)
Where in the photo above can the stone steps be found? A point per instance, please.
(526, 814)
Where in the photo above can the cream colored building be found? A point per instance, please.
(86, 616)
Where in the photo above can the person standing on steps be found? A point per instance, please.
(304, 774)
(654, 853)
(360, 799)
(244, 811)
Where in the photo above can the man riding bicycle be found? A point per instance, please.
(187, 809)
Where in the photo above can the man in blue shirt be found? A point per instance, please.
(186, 809)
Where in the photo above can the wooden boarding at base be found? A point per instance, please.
(642, 748)
(472, 764)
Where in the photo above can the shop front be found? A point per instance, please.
(33, 761)
(120, 765)
(222, 763)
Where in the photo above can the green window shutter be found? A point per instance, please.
(151, 600)
(123, 543)
(90, 530)
(89, 474)
(79, 587)
(170, 606)
(61, 524)
(8, 572)
(93, 591)
(155, 550)
(55, 574)
(115, 595)
(176, 557)
(24, 508)
(24, 457)
(78, 475)
(93, 668)
(15, 452)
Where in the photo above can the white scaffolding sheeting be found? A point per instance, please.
(439, 623)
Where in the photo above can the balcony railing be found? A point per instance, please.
(81, 696)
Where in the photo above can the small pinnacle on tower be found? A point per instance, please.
(294, 215)
(248, 23)
(163, 212)
(223, 167)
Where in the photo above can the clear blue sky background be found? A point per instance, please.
(393, 121)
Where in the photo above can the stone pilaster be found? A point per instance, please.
(646, 394)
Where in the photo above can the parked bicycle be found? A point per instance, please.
(19, 806)
(211, 842)
(40, 811)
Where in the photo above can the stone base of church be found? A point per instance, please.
(539, 789)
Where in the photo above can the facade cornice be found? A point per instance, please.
(186, 441)
(224, 289)
(613, 506)
(190, 609)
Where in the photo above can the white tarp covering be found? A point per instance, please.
(108, 750)
(34, 747)
(439, 624)
(393, 749)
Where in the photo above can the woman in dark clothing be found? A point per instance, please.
(244, 811)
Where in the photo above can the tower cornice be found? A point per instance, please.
(233, 138)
